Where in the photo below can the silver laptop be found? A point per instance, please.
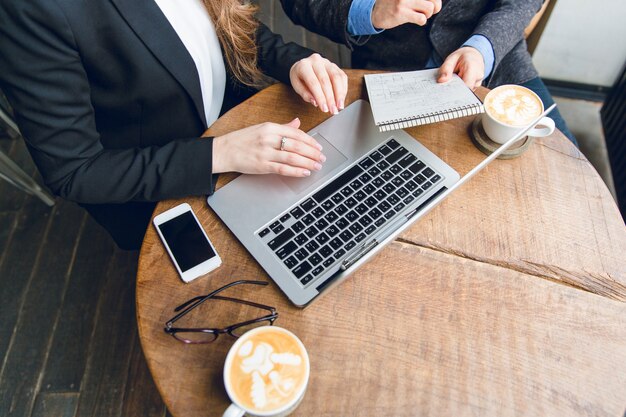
(311, 233)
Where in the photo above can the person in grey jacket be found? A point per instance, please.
(482, 41)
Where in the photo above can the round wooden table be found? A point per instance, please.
(507, 299)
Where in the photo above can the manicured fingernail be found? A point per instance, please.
(306, 173)
(324, 107)
(313, 102)
(335, 111)
(322, 157)
(341, 104)
(320, 147)
(318, 166)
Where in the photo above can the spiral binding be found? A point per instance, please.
(456, 112)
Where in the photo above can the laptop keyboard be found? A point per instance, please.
(318, 232)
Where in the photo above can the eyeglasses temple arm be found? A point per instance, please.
(186, 303)
(206, 297)
(250, 303)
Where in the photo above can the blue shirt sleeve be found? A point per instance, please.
(434, 61)
(360, 18)
(483, 45)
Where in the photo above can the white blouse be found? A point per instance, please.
(192, 23)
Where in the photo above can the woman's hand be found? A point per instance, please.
(320, 82)
(257, 150)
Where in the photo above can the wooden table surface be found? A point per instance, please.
(507, 299)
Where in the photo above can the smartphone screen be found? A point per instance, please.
(186, 241)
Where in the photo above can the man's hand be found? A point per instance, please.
(468, 63)
(388, 14)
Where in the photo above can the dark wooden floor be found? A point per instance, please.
(68, 335)
(68, 338)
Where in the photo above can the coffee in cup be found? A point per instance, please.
(266, 373)
(509, 109)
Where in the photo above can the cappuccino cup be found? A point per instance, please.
(266, 373)
(509, 109)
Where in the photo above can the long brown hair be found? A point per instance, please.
(236, 27)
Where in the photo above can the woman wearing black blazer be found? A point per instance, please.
(111, 104)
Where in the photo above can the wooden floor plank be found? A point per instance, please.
(37, 318)
(68, 353)
(7, 227)
(15, 272)
(141, 398)
(55, 404)
(106, 374)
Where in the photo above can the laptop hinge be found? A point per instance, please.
(431, 198)
(334, 276)
(365, 249)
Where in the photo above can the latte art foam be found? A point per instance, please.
(513, 105)
(268, 370)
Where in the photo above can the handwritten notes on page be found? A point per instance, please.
(412, 98)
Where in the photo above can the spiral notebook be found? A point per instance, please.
(413, 98)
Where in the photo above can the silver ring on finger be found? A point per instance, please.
(283, 142)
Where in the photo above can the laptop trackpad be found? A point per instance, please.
(334, 159)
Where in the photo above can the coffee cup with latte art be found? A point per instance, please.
(266, 373)
(509, 109)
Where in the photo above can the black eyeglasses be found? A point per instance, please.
(208, 335)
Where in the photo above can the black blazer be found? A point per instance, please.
(109, 102)
(408, 47)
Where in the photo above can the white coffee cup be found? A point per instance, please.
(509, 109)
(266, 373)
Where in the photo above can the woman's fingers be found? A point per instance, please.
(295, 123)
(268, 148)
(299, 86)
(320, 82)
(339, 80)
(324, 80)
(303, 149)
(287, 170)
(308, 77)
(295, 160)
(296, 153)
(296, 134)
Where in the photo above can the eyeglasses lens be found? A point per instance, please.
(195, 337)
(239, 331)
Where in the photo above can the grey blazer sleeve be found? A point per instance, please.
(504, 25)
